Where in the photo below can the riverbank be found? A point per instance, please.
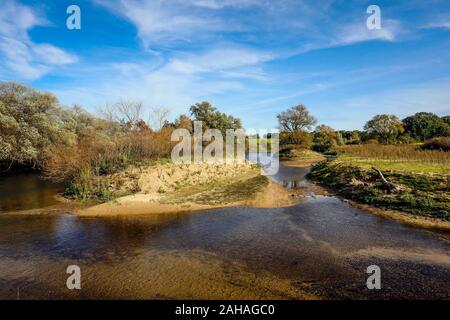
(418, 199)
(170, 188)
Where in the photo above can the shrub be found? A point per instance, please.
(301, 140)
(440, 143)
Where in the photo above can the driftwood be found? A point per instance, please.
(389, 185)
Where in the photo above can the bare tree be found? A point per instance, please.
(129, 111)
(123, 111)
(158, 116)
(107, 112)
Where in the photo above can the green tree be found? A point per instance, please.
(446, 119)
(30, 121)
(350, 137)
(296, 119)
(213, 118)
(324, 138)
(425, 125)
(386, 128)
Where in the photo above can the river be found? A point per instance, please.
(319, 248)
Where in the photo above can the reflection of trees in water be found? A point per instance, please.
(86, 239)
(293, 184)
(26, 191)
(121, 237)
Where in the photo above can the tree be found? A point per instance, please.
(324, 138)
(127, 113)
(425, 125)
(386, 128)
(446, 119)
(184, 122)
(296, 119)
(30, 121)
(213, 118)
(158, 117)
(350, 137)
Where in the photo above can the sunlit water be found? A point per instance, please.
(318, 248)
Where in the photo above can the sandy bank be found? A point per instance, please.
(170, 188)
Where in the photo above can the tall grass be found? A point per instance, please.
(99, 153)
(397, 157)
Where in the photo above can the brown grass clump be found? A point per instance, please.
(440, 144)
(412, 153)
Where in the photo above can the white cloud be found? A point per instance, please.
(358, 32)
(166, 22)
(440, 22)
(180, 82)
(219, 59)
(22, 57)
(219, 4)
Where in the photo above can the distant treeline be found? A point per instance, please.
(297, 125)
(73, 145)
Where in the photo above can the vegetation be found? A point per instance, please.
(425, 125)
(86, 151)
(295, 125)
(387, 165)
(324, 139)
(396, 157)
(212, 118)
(440, 143)
(30, 122)
(73, 146)
(386, 128)
(424, 195)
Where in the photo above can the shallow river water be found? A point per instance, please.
(319, 248)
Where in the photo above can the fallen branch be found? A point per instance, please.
(389, 185)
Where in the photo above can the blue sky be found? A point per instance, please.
(250, 58)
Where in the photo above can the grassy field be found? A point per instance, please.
(422, 178)
(407, 158)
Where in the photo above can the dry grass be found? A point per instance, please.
(396, 157)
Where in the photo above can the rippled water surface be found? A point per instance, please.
(319, 248)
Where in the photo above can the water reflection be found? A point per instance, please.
(319, 247)
(24, 191)
(294, 184)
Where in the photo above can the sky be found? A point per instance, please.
(249, 58)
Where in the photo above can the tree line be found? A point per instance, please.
(36, 131)
(72, 145)
(296, 128)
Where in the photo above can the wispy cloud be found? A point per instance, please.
(23, 58)
(181, 81)
(441, 21)
(166, 22)
(221, 58)
(358, 32)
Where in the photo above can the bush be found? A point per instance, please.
(300, 139)
(371, 141)
(440, 143)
